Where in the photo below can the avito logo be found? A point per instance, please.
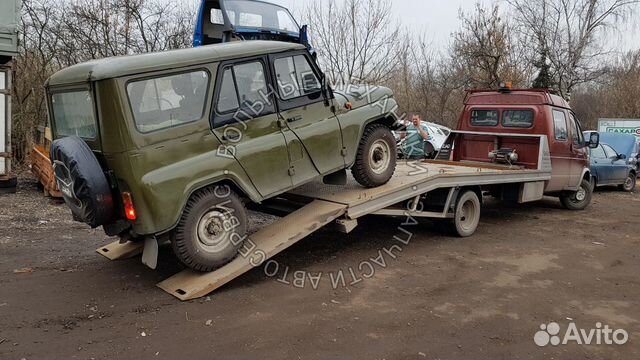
(549, 334)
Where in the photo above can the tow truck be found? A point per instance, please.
(450, 187)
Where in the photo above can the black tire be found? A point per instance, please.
(578, 200)
(376, 157)
(212, 229)
(82, 182)
(629, 183)
(467, 214)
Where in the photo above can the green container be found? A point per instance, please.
(9, 17)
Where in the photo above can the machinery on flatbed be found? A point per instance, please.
(443, 188)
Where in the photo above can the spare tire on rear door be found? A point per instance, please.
(82, 181)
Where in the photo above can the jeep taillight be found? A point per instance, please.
(129, 209)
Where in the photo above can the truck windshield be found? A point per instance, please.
(255, 14)
(74, 114)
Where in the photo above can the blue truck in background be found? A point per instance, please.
(222, 21)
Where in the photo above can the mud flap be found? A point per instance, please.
(150, 253)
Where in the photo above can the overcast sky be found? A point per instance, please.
(439, 18)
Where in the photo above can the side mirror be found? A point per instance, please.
(594, 140)
(622, 157)
(304, 36)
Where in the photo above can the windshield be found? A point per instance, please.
(255, 14)
(74, 115)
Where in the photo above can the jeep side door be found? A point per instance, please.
(246, 123)
(315, 132)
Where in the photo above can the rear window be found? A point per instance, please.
(168, 101)
(517, 118)
(74, 114)
(484, 117)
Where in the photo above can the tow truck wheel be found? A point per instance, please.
(212, 229)
(580, 199)
(467, 214)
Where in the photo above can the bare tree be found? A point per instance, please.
(569, 34)
(59, 33)
(484, 51)
(356, 39)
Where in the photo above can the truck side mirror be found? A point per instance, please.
(594, 140)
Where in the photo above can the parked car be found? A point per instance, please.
(145, 145)
(628, 145)
(528, 111)
(437, 136)
(608, 167)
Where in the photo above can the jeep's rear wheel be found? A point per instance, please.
(376, 157)
(212, 229)
(580, 199)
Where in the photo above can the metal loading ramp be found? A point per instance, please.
(266, 243)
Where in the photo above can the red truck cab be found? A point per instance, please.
(536, 112)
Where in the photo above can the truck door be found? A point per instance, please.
(579, 152)
(246, 123)
(315, 141)
(561, 154)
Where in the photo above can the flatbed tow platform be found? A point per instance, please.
(442, 189)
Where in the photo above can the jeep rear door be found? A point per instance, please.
(314, 129)
(246, 122)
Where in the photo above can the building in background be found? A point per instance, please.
(621, 126)
(9, 16)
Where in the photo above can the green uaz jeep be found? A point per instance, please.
(171, 145)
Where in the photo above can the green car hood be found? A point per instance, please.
(362, 95)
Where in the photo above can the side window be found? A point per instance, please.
(295, 77)
(517, 118)
(244, 89)
(611, 153)
(598, 153)
(251, 83)
(168, 101)
(484, 117)
(216, 17)
(576, 131)
(228, 98)
(560, 125)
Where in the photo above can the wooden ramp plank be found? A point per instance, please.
(271, 240)
(118, 251)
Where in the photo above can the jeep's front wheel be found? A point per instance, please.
(212, 229)
(376, 157)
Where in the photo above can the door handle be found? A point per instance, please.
(294, 119)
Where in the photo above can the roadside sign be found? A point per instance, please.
(620, 126)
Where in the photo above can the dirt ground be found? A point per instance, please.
(377, 293)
